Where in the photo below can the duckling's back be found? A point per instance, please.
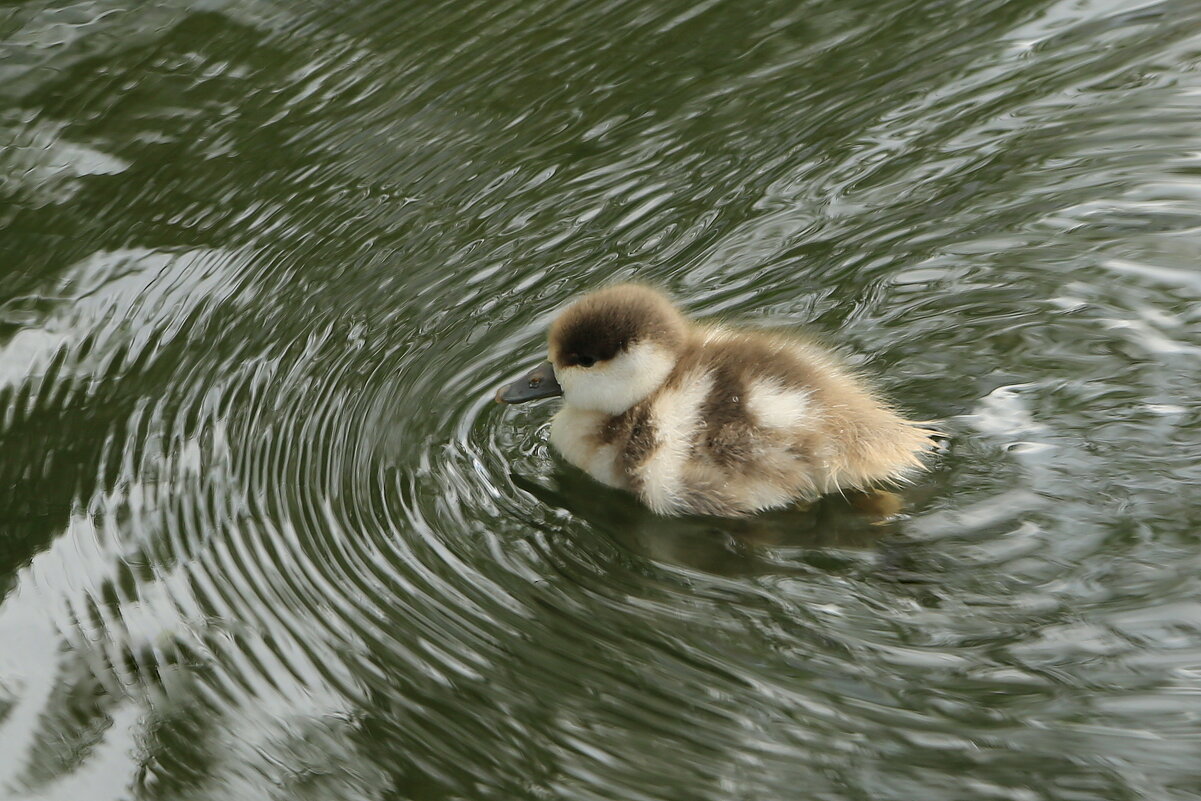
(749, 421)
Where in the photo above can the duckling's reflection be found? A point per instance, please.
(727, 546)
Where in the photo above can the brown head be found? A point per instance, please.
(608, 350)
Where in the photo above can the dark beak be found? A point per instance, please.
(537, 383)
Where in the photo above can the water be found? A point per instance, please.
(264, 535)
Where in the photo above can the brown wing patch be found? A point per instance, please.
(733, 439)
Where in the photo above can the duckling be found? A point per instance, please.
(706, 419)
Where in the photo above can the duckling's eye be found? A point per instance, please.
(585, 361)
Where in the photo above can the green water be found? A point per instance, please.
(264, 535)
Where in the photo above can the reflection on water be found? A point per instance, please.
(827, 531)
(263, 534)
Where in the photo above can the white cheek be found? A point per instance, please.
(616, 385)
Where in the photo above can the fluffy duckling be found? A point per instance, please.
(705, 419)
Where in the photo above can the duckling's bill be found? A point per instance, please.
(534, 385)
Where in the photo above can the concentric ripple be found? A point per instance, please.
(264, 534)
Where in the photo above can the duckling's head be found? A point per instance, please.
(612, 348)
(608, 350)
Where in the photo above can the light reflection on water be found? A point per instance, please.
(264, 535)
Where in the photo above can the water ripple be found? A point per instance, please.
(264, 534)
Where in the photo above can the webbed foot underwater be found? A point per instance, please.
(706, 419)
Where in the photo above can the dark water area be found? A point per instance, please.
(264, 535)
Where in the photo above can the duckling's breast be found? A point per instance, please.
(677, 419)
(578, 435)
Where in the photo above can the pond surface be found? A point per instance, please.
(264, 535)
